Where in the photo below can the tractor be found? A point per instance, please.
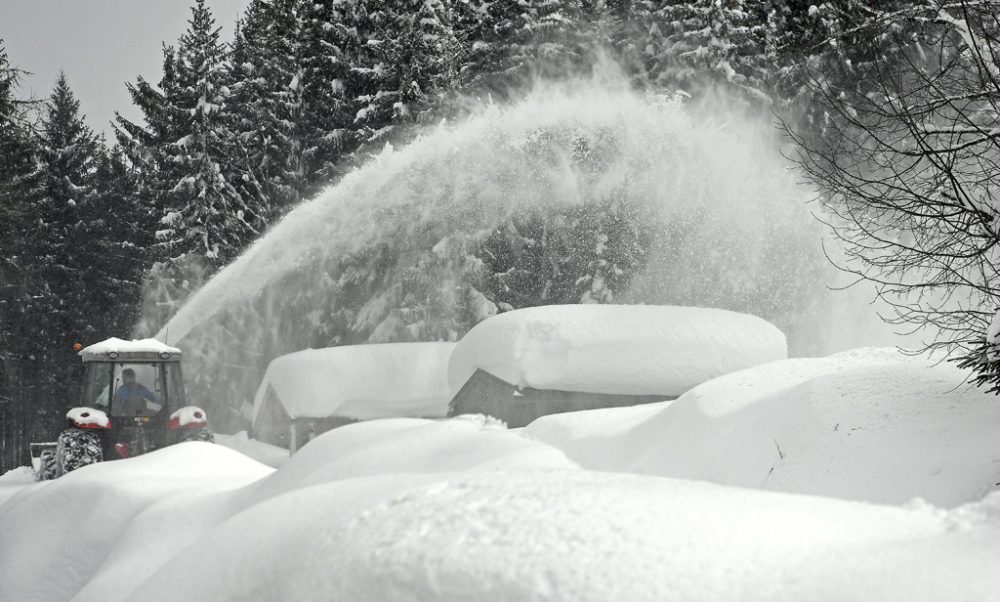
(132, 403)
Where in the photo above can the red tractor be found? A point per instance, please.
(132, 403)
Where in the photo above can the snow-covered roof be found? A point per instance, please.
(617, 349)
(361, 381)
(125, 349)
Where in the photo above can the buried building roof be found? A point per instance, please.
(614, 349)
(362, 382)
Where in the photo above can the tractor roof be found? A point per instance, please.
(115, 349)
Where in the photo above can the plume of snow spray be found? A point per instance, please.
(730, 225)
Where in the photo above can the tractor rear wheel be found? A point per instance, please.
(77, 448)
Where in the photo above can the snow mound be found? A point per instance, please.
(616, 349)
(408, 445)
(84, 416)
(265, 453)
(361, 381)
(519, 536)
(59, 535)
(106, 528)
(464, 509)
(19, 475)
(116, 345)
(869, 425)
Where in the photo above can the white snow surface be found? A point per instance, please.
(868, 424)
(114, 344)
(265, 453)
(88, 416)
(463, 509)
(189, 414)
(361, 381)
(624, 349)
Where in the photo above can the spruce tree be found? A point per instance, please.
(18, 156)
(17, 159)
(193, 166)
(405, 63)
(149, 147)
(206, 216)
(267, 105)
(720, 40)
(58, 300)
(507, 42)
(125, 224)
(326, 117)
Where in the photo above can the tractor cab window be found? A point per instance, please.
(97, 385)
(137, 389)
(175, 384)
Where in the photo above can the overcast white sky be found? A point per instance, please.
(100, 44)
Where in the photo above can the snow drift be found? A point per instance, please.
(465, 509)
(868, 425)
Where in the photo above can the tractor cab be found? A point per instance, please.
(128, 379)
(132, 403)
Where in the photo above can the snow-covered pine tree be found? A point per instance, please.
(151, 152)
(18, 190)
(327, 116)
(404, 63)
(507, 41)
(628, 28)
(723, 40)
(188, 161)
(266, 106)
(206, 218)
(149, 147)
(840, 42)
(122, 251)
(587, 254)
(17, 164)
(64, 246)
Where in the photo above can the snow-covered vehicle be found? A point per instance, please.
(132, 403)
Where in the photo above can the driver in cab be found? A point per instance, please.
(133, 398)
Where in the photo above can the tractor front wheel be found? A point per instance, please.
(47, 466)
(196, 435)
(77, 448)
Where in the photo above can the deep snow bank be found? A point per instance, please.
(464, 509)
(265, 453)
(868, 425)
(57, 535)
(617, 349)
(561, 535)
(101, 531)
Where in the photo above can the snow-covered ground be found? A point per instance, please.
(862, 476)
(868, 424)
